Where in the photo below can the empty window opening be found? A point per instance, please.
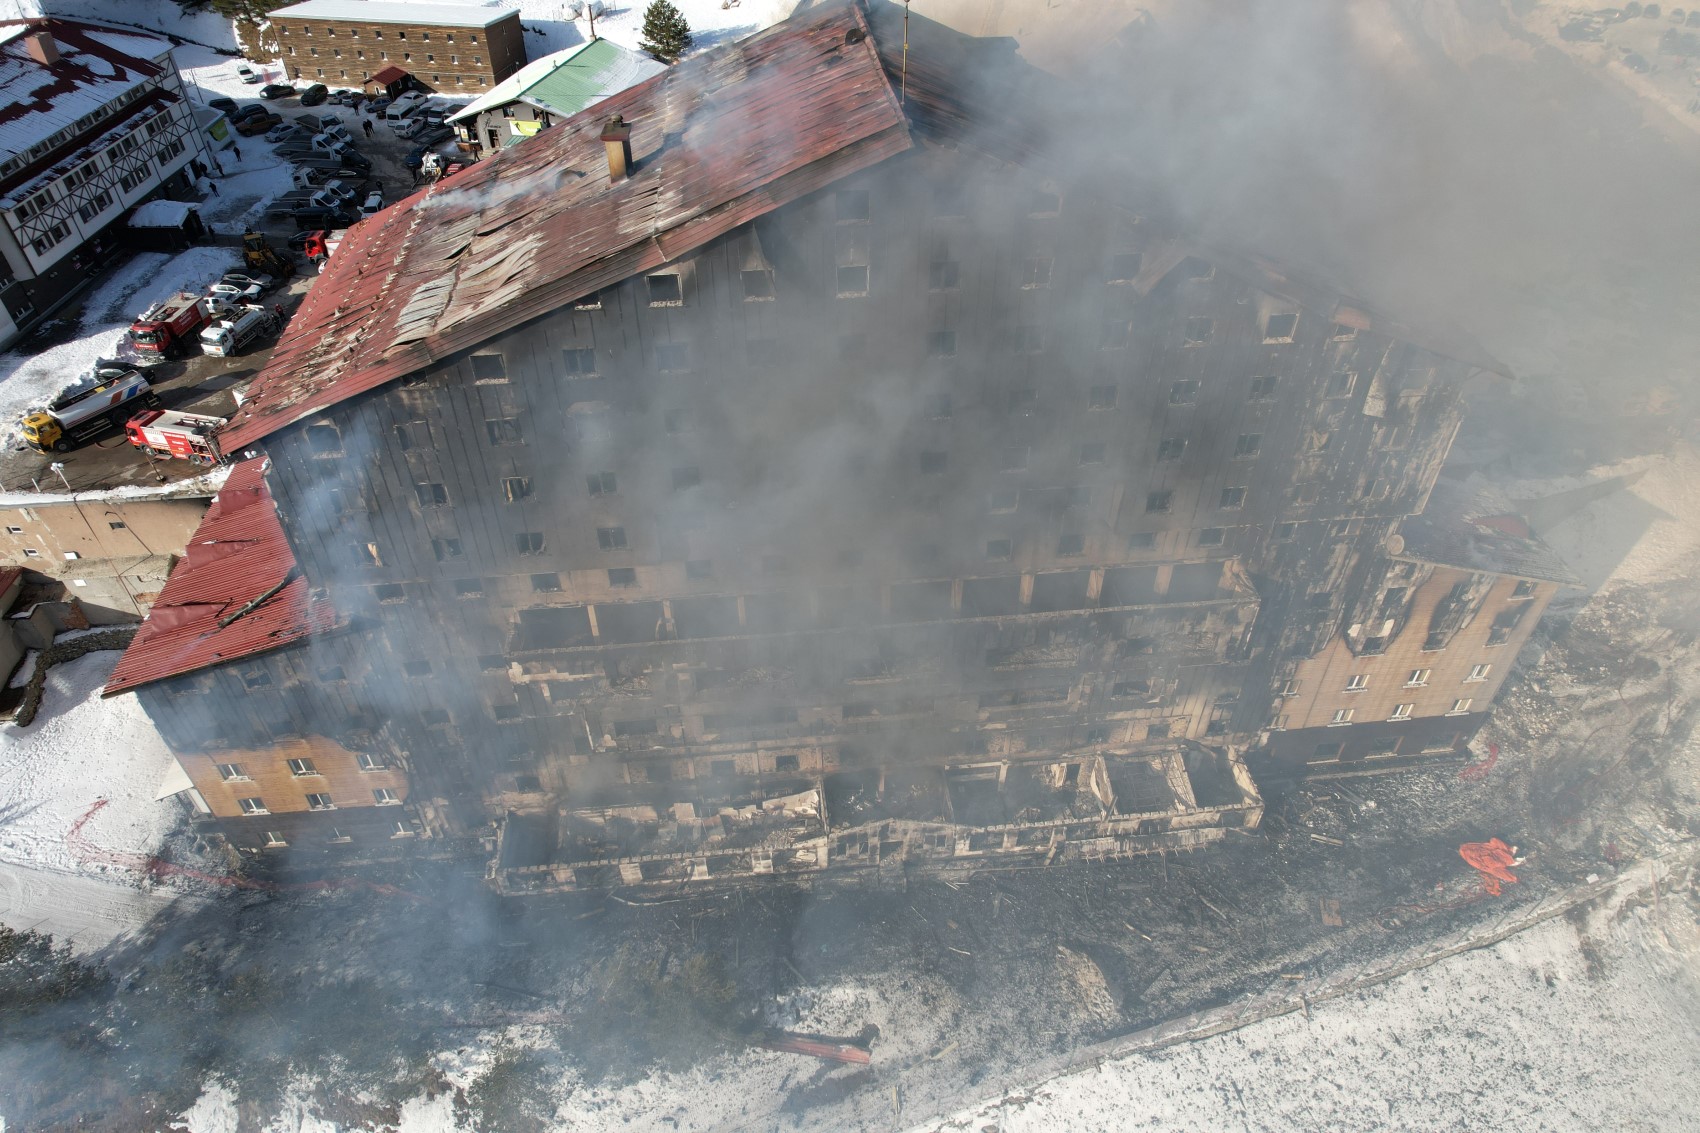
(853, 279)
(503, 431)
(546, 583)
(469, 587)
(758, 285)
(579, 361)
(622, 576)
(489, 368)
(1069, 545)
(1184, 393)
(999, 550)
(445, 549)
(324, 440)
(1212, 536)
(1124, 267)
(1158, 502)
(390, 592)
(1198, 330)
(529, 543)
(1280, 328)
(516, 488)
(1142, 541)
(1036, 272)
(1171, 448)
(1341, 384)
(1247, 445)
(1263, 388)
(1101, 397)
(942, 275)
(852, 204)
(665, 290)
(1092, 453)
(601, 483)
(1231, 499)
(611, 538)
(941, 344)
(431, 495)
(417, 668)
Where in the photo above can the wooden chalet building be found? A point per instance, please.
(784, 468)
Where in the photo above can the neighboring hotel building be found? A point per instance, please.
(763, 473)
(92, 121)
(451, 48)
(550, 90)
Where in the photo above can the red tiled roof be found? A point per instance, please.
(388, 75)
(237, 555)
(719, 140)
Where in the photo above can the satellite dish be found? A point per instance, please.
(1395, 544)
(596, 8)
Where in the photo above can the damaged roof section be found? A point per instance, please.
(236, 592)
(1472, 526)
(537, 226)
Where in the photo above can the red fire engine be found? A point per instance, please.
(169, 434)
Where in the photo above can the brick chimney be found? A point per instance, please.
(617, 137)
(41, 47)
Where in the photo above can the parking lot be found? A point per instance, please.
(205, 384)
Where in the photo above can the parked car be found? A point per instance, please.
(433, 135)
(374, 203)
(407, 127)
(318, 121)
(346, 98)
(232, 293)
(247, 279)
(281, 131)
(276, 90)
(379, 105)
(225, 106)
(246, 73)
(248, 110)
(297, 241)
(314, 94)
(325, 217)
(342, 189)
(258, 124)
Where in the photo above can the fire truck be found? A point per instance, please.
(168, 329)
(171, 435)
(88, 408)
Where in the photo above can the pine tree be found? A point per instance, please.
(666, 35)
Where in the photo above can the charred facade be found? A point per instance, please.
(937, 509)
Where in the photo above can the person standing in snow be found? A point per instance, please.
(366, 124)
(237, 150)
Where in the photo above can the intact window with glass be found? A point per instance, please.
(299, 767)
(579, 361)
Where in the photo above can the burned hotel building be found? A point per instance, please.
(784, 468)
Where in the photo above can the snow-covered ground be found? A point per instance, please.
(1564, 1027)
(79, 750)
(28, 379)
(205, 26)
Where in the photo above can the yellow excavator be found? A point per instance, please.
(262, 259)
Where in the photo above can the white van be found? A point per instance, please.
(403, 108)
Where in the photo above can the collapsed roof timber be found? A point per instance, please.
(941, 507)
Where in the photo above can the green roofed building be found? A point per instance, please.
(552, 88)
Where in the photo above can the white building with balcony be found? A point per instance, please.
(93, 121)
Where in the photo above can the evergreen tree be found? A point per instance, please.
(666, 35)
